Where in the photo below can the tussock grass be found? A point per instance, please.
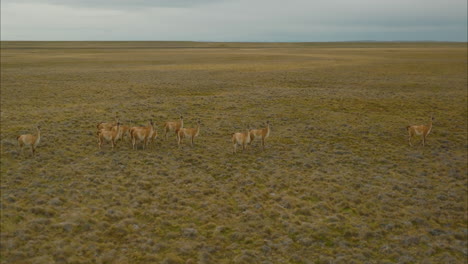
(337, 183)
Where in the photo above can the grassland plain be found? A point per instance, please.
(337, 183)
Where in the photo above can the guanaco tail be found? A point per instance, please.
(30, 140)
(173, 126)
(419, 130)
(188, 132)
(260, 133)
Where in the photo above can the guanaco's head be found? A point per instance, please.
(181, 117)
(38, 127)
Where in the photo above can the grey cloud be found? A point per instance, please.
(235, 20)
(116, 4)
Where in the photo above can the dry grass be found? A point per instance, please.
(337, 183)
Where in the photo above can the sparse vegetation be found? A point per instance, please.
(337, 182)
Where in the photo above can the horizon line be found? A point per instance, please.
(210, 41)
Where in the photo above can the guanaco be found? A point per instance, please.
(173, 126)
(188, 132)
(419, 130)
(242, 139)
(109, 135)
(108, 126)
(30, 140)
(153, 137)
(260, 133)
(142, 134)
(124, 132)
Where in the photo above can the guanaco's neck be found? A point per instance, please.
(267, 129)
(37, 138)
(429, 127)
(149, 129)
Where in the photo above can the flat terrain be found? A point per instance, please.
(337, 183)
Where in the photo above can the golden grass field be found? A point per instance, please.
(337, 183)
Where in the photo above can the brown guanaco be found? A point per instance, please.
(419, 130)
(260, 133)
(109, 136)
(143, 134)
(173, 126)
(242, 139)
(30, 140)
(188, 132)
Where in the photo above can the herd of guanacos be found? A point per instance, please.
(113, 131)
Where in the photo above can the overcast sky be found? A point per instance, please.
(235, 20)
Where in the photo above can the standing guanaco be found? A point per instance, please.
(188, 132)
(124, 132)
(109, 135)
(153, 137)
(173, 126)
(142, 134)
(242, 139)
(30, 140)
(260, 133)
(419, 130)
